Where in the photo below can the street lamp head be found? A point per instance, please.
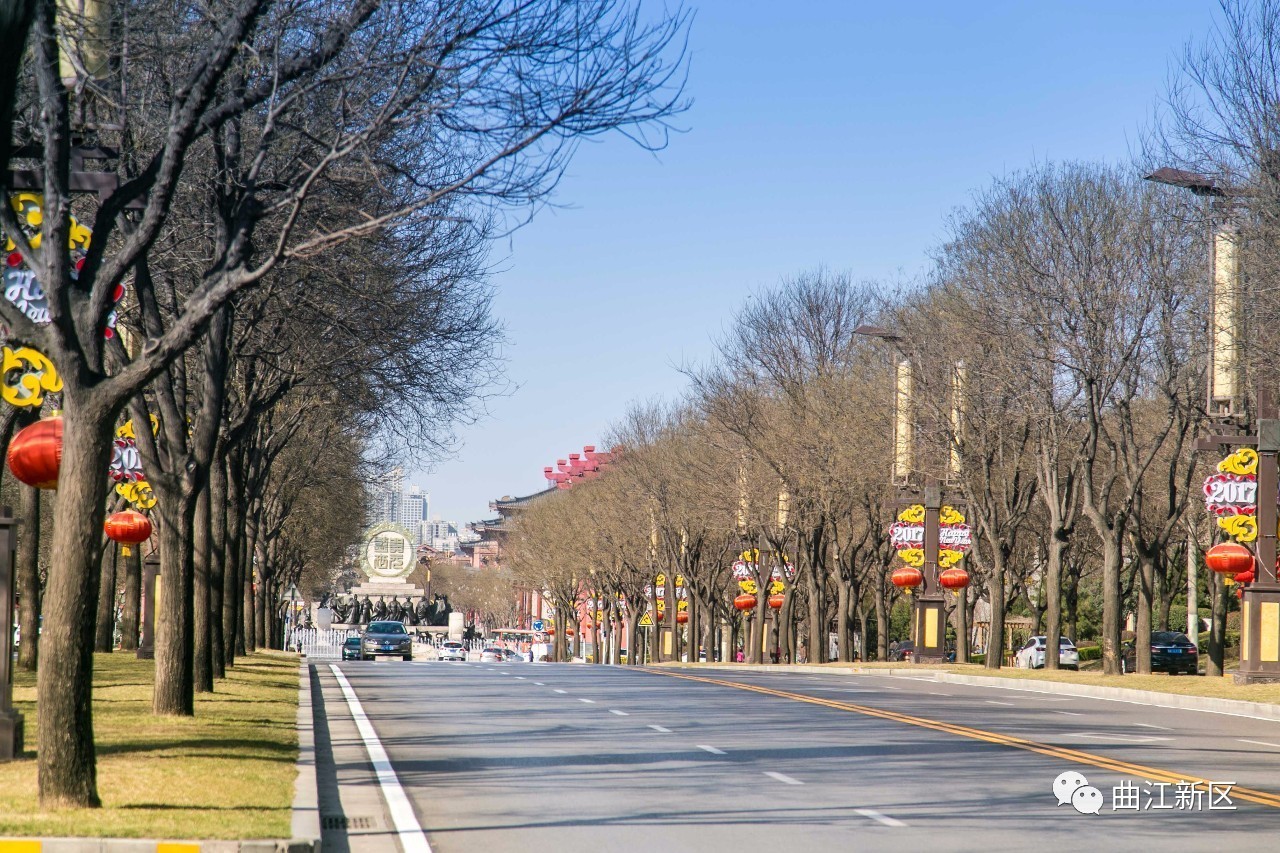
(1194, 181)
(877, 332)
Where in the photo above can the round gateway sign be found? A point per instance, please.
(388, 553)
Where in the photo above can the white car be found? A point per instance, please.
(453, 650)
(492, 655)
(1031, 655)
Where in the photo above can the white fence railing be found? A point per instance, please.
(321, 645)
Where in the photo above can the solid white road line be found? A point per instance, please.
(1069, 713)
(994, 702)
(1259, 742)
(539, 683)
(588, 701)
(880, 818)
(1153, 726)
(412, 839)
(1121, 738)
(619, 713)
(711, 749)
(665, 731)
(519, 678)
(939, 694)
(783, 778)
(558, 690)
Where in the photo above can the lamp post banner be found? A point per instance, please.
(1232, 494)
(955, 537)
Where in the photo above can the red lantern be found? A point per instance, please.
(745, 602)
(35, 453)
(1244, 577)
(1225, 558)
(568, 632)
(682, 617)
(907, 577)
(775, 601)
(954, 579)
(129, 527)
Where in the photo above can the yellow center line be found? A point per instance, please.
(1153, 774)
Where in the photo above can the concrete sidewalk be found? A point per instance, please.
(1208, 704)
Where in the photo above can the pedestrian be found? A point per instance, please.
(740, 657)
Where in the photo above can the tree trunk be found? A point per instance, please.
(817, 627)
(842, 623)
(1217, 628)
(202, 605)
(66, 759)
(1053, 592)
(218, 566)
(174, 686)
(1111, 605)
(132, 599)
(962, 627)
(882, 622)
(104, 636)
(1146, 593)
(233, 585)
(28, 577)
(995, 592)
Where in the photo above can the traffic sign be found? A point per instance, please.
(646, 620)
(537, 625)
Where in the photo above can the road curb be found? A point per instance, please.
(305, 826)
(1207, 704)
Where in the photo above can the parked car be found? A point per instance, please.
(492, 654)
(513, 654)
(1171, 652)
(1031, 655)
(351, 649)
(903, 652)
(453, 650)
(386, 639)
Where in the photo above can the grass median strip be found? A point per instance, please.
(226, 773)
(1265, 798)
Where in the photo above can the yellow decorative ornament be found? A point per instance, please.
(682, 605)
(1243, 461)
(948, 558)
(912, 556)
(1242, 528)
(913, 514)
(748, 586)
(660, 580)
(29, 208)
(126, 430)
(28, 376)
(950, 515)
(139, 494)
(751, 555)
(777, 588)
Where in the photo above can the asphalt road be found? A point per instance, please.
(559, 757)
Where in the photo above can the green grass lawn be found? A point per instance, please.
(226, 773)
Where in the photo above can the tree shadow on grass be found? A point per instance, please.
(235, 747)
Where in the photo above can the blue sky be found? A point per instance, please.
(836, 134)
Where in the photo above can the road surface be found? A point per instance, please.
(559, 757)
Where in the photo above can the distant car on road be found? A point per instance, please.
(903, 652)
(453, 650)
(513, 654)
(1031, 655)
(386, 639)
(1171, 652)
(492, 655)
(351, 649)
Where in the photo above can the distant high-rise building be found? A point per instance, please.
(440, 535)
(392, 503)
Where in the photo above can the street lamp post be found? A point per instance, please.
(1260, 602)
(928, 622)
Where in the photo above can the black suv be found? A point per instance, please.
(1171, 652)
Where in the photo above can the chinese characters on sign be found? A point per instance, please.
(1073, 788)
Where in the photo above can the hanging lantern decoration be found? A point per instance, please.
(745, 602)
(682, 617)
(906, 578)
(129, 527)
(775, 601)
(1245, 577)
(1228, 558)
(954, 579)
(35, 453)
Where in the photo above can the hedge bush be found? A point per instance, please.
(1088, 653)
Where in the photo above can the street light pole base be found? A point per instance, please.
(11, 739)
(929, 634)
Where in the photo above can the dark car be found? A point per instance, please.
(351, 649)
(903, 652)
(1171, 652)
(386, 639)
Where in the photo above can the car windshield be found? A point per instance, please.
(453, 645)
(493, 651)
(353, 641)
(385, 628)
(1065, 643)
(1170, 637)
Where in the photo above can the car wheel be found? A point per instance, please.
(407, 657)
